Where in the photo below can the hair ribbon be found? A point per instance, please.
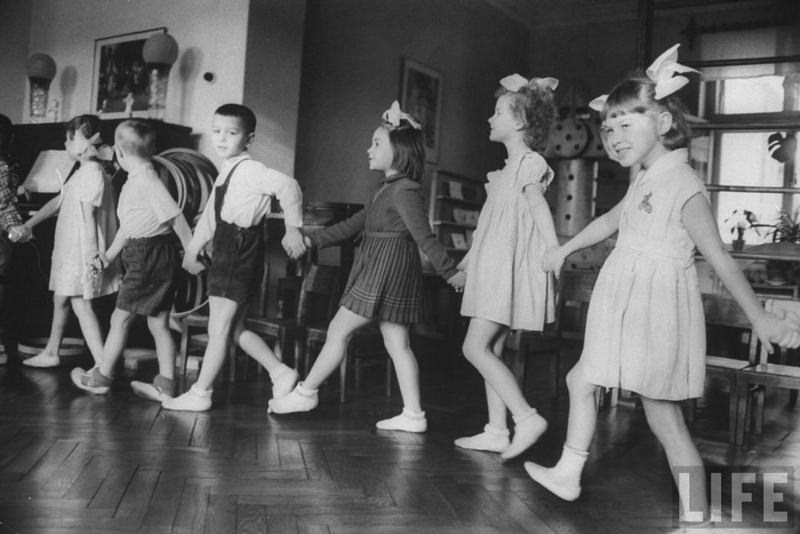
(394, 115)
(515, 82)
(662, 72)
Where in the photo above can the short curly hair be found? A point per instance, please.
(637, 94)
(535, 107)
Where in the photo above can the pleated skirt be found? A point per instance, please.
(385, 282)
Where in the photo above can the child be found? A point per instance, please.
(645, 330)
(506, 287)
(86, 224)
(11, 228)
(385, 283)
(232, 218)
(148, 216)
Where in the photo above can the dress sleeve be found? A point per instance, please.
(339, 232)
(689, 185)
(533, 170)
(411, 207)
(91, 185)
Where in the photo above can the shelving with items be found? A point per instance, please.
(455, 204)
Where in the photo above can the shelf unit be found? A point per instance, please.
(455, 203)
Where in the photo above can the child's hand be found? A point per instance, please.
(457, 281)
(293, 242)
(553, 260)
(781, 329)
(20, 234)
(192, 265)
(97, 262)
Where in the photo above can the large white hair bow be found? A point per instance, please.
(394, 115)
(96, 149)
(662, 72)
(515, 82)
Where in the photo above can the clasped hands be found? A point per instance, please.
(295, 243)
(20, 233)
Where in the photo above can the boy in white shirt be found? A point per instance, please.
(148, 217)
(232, 219)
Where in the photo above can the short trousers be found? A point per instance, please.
(238, 262)
(149, 283)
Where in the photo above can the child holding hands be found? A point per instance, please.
(385, 282)
(11, 228)
(232, 220)
(506, 287)
(86, 224)
(645, 330)
(148, 216)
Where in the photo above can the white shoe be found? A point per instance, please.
(42, 361)
(491, 440)
(526, 432)
(161, 388)
(405, 422)
(92, 380)
(283, 382)
(299, 399)
(193, 400)
(566, 488)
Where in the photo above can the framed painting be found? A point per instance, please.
(119, 78)
(421, 96)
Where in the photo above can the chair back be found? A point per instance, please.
(572, 303)
(319, 294)
(726, 312)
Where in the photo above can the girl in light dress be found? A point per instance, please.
(385, 282)
(645, 328)
(86, 224)
(506, 287)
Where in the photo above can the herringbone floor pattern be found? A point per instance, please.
(71, 462)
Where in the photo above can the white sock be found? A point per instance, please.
(283, 380)
(300, 399)
(528, 427)
(194, 400)
(563, 479)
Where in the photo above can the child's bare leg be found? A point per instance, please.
(98, 380)
(282, 376)
(495, 435)
(304, 396)
(221, 317)
(398, 345)
(479, 346)
(564, 479)
(49, 356)
(165, 344)
(90, 327)
(666, 421)
(117, 339)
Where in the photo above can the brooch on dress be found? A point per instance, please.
(645, 203)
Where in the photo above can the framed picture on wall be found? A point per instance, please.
(119, 78)
(421, 96)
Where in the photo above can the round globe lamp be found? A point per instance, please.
(159, 52)
(41, 70)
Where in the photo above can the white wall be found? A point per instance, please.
(211, 36)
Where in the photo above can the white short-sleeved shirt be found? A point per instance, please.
(145, 205)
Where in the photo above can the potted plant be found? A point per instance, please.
(785, 233)
(741, 220)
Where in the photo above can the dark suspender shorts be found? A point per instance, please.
(151, 265)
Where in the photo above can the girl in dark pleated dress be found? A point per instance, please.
(385, 283)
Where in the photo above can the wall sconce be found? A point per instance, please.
(41, 70)
(159, 52)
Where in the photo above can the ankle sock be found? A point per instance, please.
(563, 479)
(194, 400)
(283, 380)
(300, 399)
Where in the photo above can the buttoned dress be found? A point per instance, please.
(505, 280)
(645, 328)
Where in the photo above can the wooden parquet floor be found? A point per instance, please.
(76, 463)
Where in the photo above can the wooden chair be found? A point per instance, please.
(725, 312)
(572, 305)
(283, 326)
(753, 380)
